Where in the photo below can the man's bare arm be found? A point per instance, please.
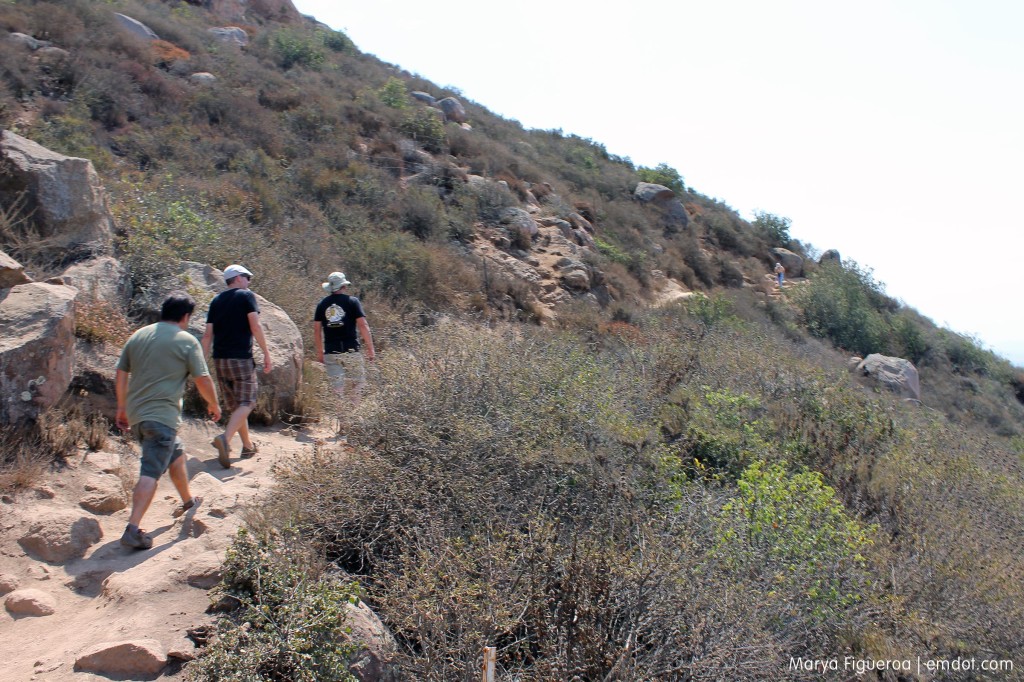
(257, 332)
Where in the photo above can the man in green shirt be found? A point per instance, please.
(151, 374)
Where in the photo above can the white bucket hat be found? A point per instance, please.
(335, 281)
(234, 270)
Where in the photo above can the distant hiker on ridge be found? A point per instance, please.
(231, 324)
(335, 322)
(150, 381)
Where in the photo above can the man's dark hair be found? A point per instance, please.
(176, 306)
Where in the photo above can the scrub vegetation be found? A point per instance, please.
(698, 491)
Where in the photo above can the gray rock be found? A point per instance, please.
(898, 375)
(135, 27)
(94, 376)
(132, 659)
(102, 278)
(374, 662)
(830, 256)
(38, 341)
(519, 219)
(427, 98)
(230, 34)
(64, 194)
(12, 273)
(793, 263)
(576, 279)
(25, 40)
(648, 192)
(664, 198)
(453, 109)
(60, 535)
(30, 602)
(202, 78)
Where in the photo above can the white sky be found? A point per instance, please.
(892, 130)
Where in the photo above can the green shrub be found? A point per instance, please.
(425, 126)
(290, 619)
(393, 94)
(775, 228)
(793, 531)
(292, 49)
(663, 174)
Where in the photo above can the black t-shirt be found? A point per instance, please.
(229, 315)
(337, 314)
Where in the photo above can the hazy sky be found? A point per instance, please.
(892, 131)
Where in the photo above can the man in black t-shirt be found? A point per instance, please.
(335, 322)
(231, 324)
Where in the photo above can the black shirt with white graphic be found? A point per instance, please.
(337, 314)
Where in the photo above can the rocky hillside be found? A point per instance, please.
(601, 348)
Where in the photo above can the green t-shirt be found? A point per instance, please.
(159, 358)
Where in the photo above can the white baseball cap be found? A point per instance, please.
(232, 271)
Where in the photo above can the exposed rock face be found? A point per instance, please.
(94, 376)
(793, 263)
(63, 193)
(131, 660)
(665, 199)
(424, 97)
(202, 78)
(26, 40)
(896, 374)
(12, 273)
(135, 27)
(61, 535)
(453, 109)
(38, 340)
(283, 337)
(230, 34)
(102, 278)
(830, 256)
(8, 583)
(30, 602)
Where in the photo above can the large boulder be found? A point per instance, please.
(12, 273)
(664, 198)
(135, 27)
(138, 659)
(453, 110)
(37, 357)
(279, 388)
(230, 34)
(518, 219)
(102, 278)
(898, 375)
(63, 195)
(94, 375)
(58, 535)
(830, 256)
(793, 263)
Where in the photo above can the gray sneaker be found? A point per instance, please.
(135, 538)
(223, 451)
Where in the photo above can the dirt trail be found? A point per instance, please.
(113, 593)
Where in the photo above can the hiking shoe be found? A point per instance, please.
(223, 451)
(248, 453)
(134, 537)
(187, 506)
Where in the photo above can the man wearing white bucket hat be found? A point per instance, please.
(337, 318)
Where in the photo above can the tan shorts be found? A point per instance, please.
(345, 370)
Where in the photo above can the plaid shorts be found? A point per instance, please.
(237, 380)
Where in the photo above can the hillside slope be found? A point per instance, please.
(598, 425)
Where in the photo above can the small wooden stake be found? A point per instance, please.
(490, 660)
